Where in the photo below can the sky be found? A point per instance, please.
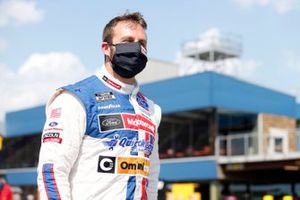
(48, 44)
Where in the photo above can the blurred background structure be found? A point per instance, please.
(220, 137)
(212, 51)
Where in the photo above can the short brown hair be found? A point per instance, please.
(134, 17)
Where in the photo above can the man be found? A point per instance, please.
(100, 138)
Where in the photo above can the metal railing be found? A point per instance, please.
(251, 144)
(237, 145)
(226, 42)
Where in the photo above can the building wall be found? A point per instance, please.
(157, 70)
(269, 121)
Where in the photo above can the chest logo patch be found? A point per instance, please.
(125, 121)
(110, 122)
(141, 100)
(104, 96)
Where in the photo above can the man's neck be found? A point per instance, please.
(110, 70)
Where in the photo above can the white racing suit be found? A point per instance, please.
(99, 142)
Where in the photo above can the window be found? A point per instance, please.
(19, 152)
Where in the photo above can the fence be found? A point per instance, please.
(251, 144)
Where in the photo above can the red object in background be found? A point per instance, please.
(6, 193)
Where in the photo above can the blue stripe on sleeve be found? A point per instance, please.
(50, 183)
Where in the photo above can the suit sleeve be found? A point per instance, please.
(61, 139)
(152, 189)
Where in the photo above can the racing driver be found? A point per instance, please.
(100, 138)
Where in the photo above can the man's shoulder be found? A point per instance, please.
(86, 85)
(80, 89)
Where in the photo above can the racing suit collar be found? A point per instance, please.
(115, 84)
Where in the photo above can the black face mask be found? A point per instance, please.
(129, 59)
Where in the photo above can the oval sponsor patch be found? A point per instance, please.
(111, 122)
(52, 124)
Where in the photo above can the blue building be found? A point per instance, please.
(227, 136)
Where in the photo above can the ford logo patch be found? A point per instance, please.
(110, 122)
(52, 124)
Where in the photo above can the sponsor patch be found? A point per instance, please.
(52, 137)
(112, 83)
(109, 106)
(135, 144)
(133, 166)
(138, 122)
(124, 165)
(110, 122)
(141, 99)
(125, 121)
(106, 164)
(53, 129)
(55, 113)
(104, 96)
(53, 124)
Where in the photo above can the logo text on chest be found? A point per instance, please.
(104, 96)
(125, 121)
